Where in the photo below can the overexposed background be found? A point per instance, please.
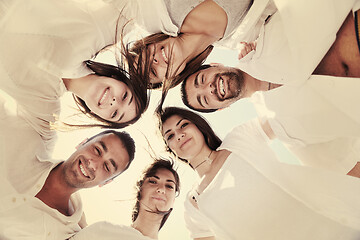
(114, 202)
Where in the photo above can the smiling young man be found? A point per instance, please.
(316, 119)
(38, 194)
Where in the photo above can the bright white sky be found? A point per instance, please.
(114, 201)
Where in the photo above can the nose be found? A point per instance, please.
(113, 101)
(180, 136)
(160, 189)
(93, 164)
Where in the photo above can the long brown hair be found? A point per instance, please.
(211, 139)
(150, 172)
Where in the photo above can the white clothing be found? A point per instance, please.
(24, 168)
(318, 120)
(253, 196)
(295, 39)
(154, 17)
(43, 41)
(109, 231)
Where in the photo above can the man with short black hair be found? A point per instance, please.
(39, 196)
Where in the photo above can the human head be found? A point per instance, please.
(150, 174)
(99, 159)
(211, 139)
(212, 87)
(136, 86)
(155, 53)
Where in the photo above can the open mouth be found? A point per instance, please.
(103, 97)
(221, 88)
(166, 60)
(82, 170)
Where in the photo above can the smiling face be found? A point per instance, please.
(214, 87)
(183, 137)
(110, 99)
(164, 54)
(158, 191)
(95, 162)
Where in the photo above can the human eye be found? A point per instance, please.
(202, 79)
(169, 186)
(98, 151)
(125, 95)
(184, 124)
(106, 166)
(153, 71)
(205, 100)
(170, 136)
(152, 181)
(114, 114)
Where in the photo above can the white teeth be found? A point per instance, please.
(164, 55)
(221, 87)
(83, 170)
(103, 97)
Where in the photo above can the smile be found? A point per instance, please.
(103, 97)
(221, 87)
(82, 170)
(166, 60)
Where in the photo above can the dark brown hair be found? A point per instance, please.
(211, 139)
(150, 172)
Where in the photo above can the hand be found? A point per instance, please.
(245, 48)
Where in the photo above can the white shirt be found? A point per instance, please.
(24, 168)
(295, 39)
(254, 196)
(318, 120)
(43, 41)
(109, 231)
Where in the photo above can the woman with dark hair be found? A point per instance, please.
(156, 192)
(44, 51)
(244, 192)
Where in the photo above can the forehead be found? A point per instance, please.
(165, 174)
(170, 123)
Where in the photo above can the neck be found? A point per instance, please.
(148, 224)
(202, 162)
(78, 86)
(55, 193)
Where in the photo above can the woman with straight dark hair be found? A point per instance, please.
(156, 191)
(244, 192)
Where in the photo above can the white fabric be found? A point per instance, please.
(24, 168)
(109, 231)
(318, 120)
(254, 196)
(295, 39)
(43, 41)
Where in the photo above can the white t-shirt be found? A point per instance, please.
(253, 196)
(109, 231)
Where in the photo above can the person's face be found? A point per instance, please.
(183, 137)
(158, 192)
(111, 100)
(214, 87)
(160, 55)
(96, 162)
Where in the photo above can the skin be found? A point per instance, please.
(108, 98)
(184, 138)
(199, 30)
(100, 165)
(158, 193)
(213, 88)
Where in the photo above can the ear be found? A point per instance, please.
(106, 182)
(82, 143)
(216, 64)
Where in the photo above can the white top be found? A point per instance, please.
(295, 39)
(155, 16)
(318, 120)
(109, 231)
(24, 168)
(43, 41)
(254, 196)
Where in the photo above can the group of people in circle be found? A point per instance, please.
(308, 78)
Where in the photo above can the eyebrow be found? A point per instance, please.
(103, 146)
(177, 124)
(167, 180)
(196, 81)
(114, 164)
(198, 98)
